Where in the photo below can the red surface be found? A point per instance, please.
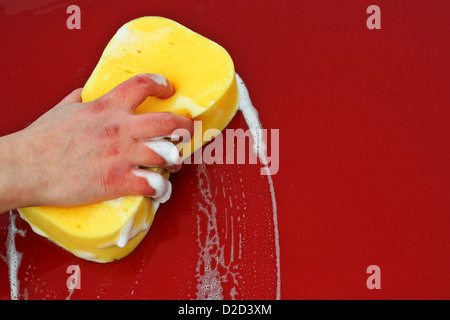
(364, 148)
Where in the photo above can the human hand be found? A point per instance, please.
(79, 153)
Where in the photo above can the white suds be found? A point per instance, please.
(124, 37)
(162, 186)
(221, 253)
(115, 202)
(71, 291)
(155, 205)
(252, 119)
(12, 256)
(129, 231)
(86, 255)
(165, 149)
(123, 34)
(158, 78)
(124, 234)
(212, 268)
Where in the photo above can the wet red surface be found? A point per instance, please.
(364, 150)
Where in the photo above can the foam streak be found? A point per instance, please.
(252, 119)
(12, 256)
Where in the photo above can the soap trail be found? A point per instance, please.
(259, 147)
(212, 251)
(12, 256)
(70, 290)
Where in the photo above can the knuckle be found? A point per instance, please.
(128, 123)
(111, 178)
(111, 130)
(113, 150)
(98, 105)
(121, 91)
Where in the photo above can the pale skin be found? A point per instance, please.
(80, 153)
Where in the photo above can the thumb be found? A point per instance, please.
(132, 92)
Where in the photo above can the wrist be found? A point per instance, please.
(15, 188)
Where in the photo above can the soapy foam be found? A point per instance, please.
(129, 231)
(159, 79)
(162, 187)
(252, 119)
(71, 291)
(212, 257)
(165, 149)
(125, 233)
(86, 255)
(115, 202)
(193, 108)
(12, 256)
(215, 268)
(155, 205)
(123, 37)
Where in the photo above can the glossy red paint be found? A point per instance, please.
(364, 151)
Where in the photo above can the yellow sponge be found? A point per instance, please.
(203, 75)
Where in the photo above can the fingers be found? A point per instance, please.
(158, 124)
(129, 94)
(73, 97)
(148, 183)
(155, 153)
(148, 148)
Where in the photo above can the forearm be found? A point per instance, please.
(13, 190)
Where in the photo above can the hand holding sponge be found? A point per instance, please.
(202, 74)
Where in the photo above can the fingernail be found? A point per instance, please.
(157, 78)
(162, 186)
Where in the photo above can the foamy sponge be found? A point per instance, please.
(203, 75)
